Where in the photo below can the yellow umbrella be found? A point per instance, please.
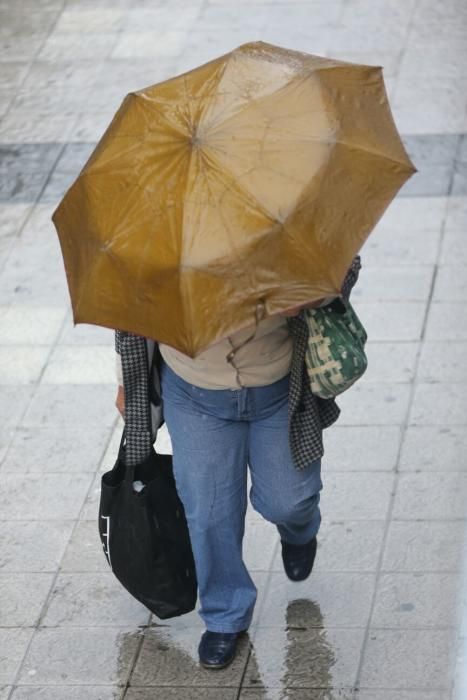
(253, 178)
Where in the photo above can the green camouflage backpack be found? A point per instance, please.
(335, 356)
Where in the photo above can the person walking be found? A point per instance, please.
(245, 402)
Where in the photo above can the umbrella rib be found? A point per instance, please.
(372, 152)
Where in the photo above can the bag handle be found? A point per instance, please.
(129, 468)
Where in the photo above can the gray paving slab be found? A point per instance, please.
(451, 283)
(393, 321)
(23, 597)
(345, 546)
(447, 448)
(55, 449)
(158, 693)
(92, 599)
(343, 448)
(13, 644)
(391, 362)
(425, 495)
(87, 404)
(390, 661)
(49, 496)
(374, 403)
(439, 404)
(296, 694)
(375, 694)
(169, 658)
(405, 283)
(301, 657)
(446, 320)
(79, 656)
(33, 546)
(22, 365)
(436, 366)
(370, 495)
(84, 553)
(416, 600)
(424, 546)
(322, 601)
(84, 692)
(454, 248)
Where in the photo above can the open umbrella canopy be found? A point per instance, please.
(253, 178)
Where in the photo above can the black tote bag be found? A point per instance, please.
(145, 534)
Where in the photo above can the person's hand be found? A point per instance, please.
(120, 401)
(296, 309)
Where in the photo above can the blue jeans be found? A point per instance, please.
(216, 434)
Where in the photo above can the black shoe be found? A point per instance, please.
(217, 649)
(298, 559)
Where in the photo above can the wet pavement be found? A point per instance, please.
(382, 617)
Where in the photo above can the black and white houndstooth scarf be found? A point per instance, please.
(308, 414)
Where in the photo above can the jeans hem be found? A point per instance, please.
(222, 628)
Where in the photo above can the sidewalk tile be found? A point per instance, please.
(95, 20)
(456, 215)
(424, 546)
(181, 693)
(375, 694)
(392, 320)
(414, 600)
(72, 405)
(13, 644)
(448, 447)
(326, 599)
(169, 657)
(343, 448)
(300, 657)
(80, 656)
(374, 404)
(84, 692)
(441, 364)
(390, 362)
(344, 546)
(23, 597)
(22, 365)
(32, 546)
(13, 403)
(56, 449)
(282, 693)
(84, 553)
(447, 321)
(454, 248)
(357, 495)
(439, 404)
(430, 495)
(143, 44)
(405, 283)
(390, 660)
(92, 600)
(451, 283)
(85, 334)
(92, 364)
(405, 246)
(42, 496)
(74, 46)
